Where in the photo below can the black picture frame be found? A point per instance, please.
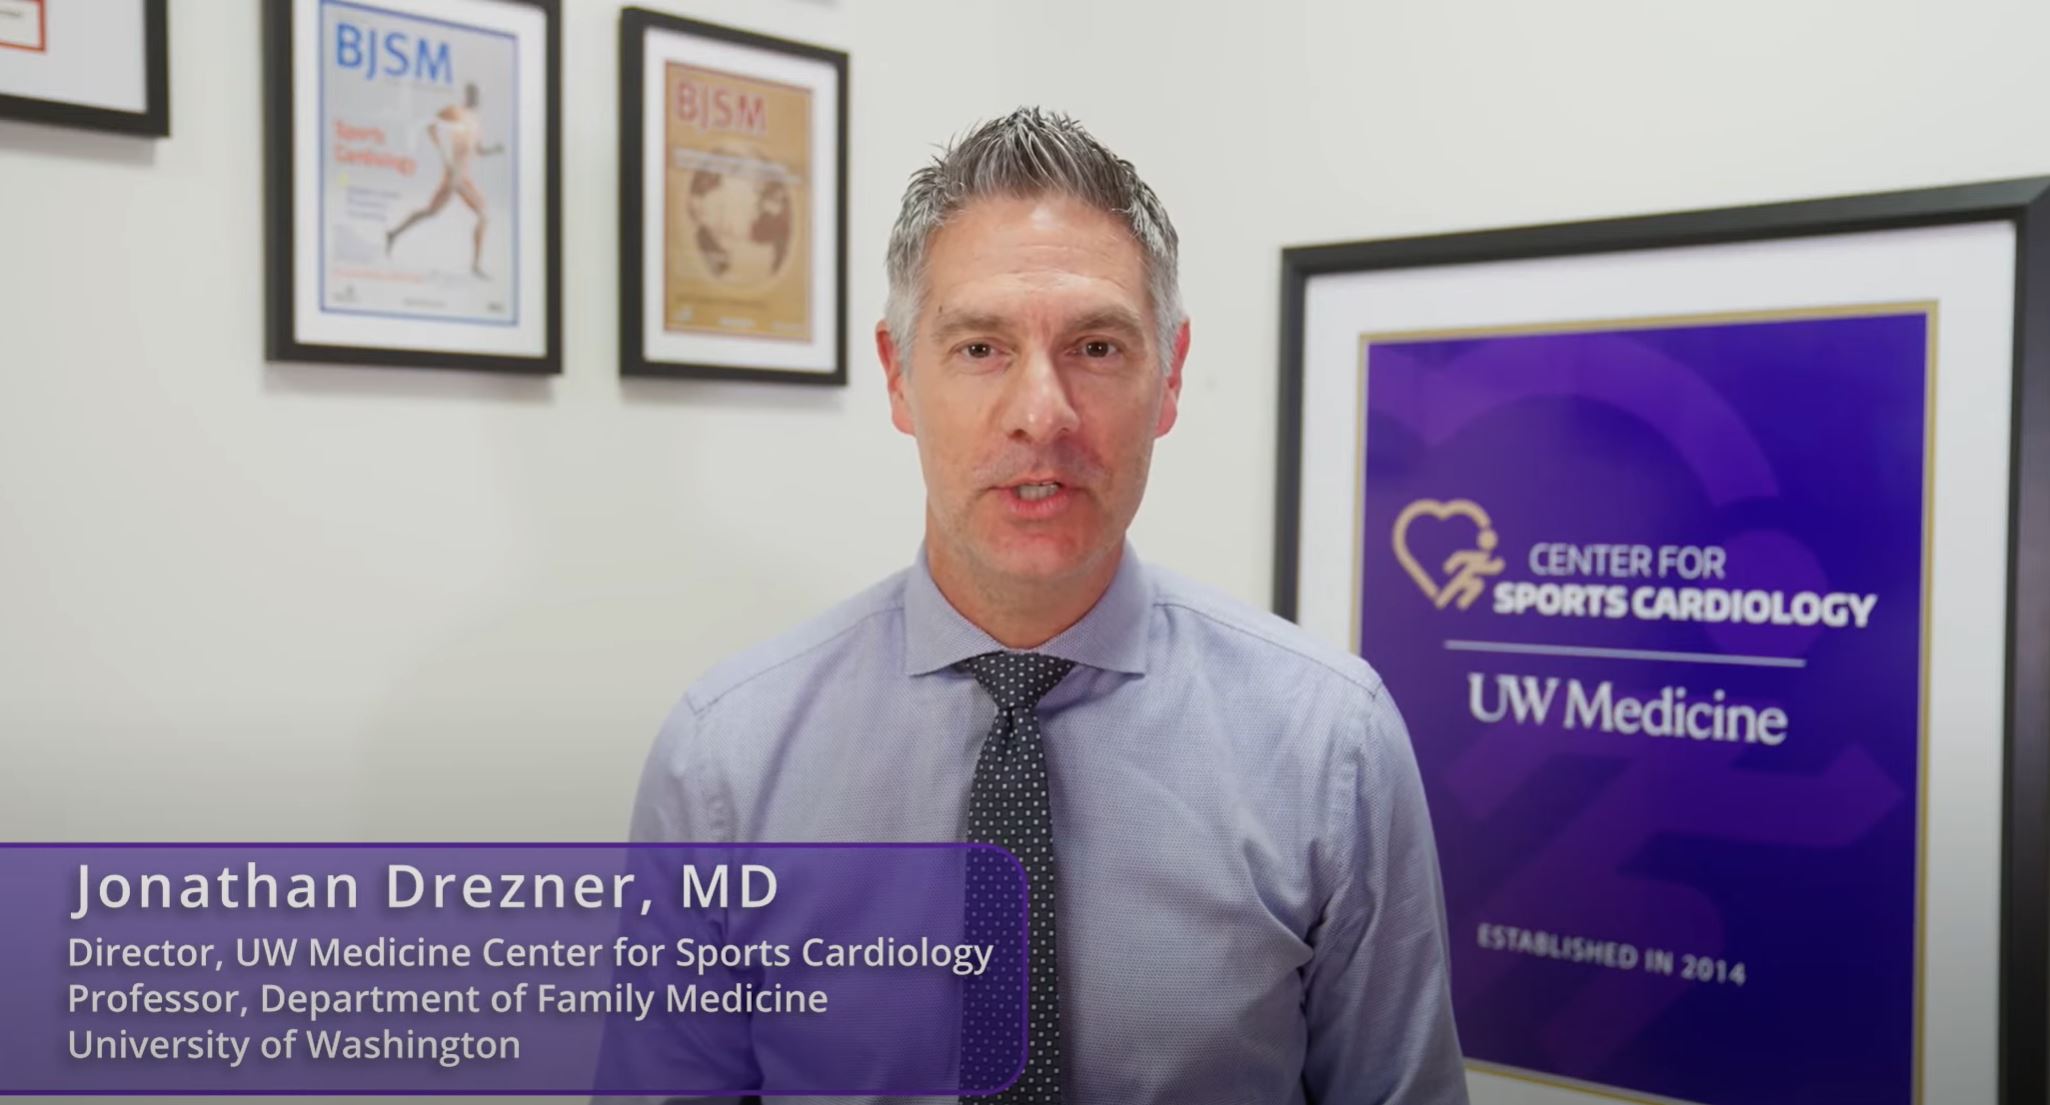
(634, 26)
(154, 121)
(281, 340)
(2024, 956)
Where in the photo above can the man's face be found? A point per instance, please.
(1033, 387)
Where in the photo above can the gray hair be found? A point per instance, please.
(1029, 153)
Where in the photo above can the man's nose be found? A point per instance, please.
(1037, 407)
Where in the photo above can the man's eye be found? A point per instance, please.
(978, 350)
(1098, 349)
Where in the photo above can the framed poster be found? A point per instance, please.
(1705, 557)
(733, 204)
(103, 66)
(413, 178)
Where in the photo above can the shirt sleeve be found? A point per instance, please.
(673, 804)
(1378, 995)
(675, 801)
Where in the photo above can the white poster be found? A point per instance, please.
(419, 154)
(417, 140)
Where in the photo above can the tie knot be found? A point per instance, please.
(1017, 680)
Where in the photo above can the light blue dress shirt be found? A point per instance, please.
(1250, 910)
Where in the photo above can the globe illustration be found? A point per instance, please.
(745, 219)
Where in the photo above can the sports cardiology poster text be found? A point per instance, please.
(1651, 599)
(419, 159)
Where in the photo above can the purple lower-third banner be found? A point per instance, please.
(518, 969)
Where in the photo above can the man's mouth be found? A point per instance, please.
(1037, 500)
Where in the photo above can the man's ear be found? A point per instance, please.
(1170, 402)
(893, 370)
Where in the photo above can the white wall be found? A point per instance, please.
(241, 600)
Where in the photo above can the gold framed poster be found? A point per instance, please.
(733, 200)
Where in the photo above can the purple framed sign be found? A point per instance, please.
(1697, 552)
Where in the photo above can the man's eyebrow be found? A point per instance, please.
(951, 323)
(1118, 320)
(1110, 318)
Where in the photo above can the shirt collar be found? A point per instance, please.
(1111, 636)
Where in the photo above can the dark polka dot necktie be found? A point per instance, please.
(1008, 806)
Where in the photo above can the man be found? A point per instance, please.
(458, 136)
(1221, 817)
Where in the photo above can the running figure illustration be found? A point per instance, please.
(1467, 567)
(457, 135)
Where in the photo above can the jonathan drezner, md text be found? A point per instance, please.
(749, 886)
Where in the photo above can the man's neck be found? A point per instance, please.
(1020, 615)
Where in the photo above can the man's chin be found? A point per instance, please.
(1044, 561)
